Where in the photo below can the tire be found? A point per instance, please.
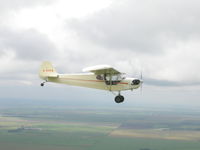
(118, 99)
(122, 98)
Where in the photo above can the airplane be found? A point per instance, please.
(103, 77)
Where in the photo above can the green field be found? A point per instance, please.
(84, 128)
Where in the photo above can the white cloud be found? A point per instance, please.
(130, 35)
(33, 31)
(160, 38)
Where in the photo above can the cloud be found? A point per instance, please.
(159, 37)
(21, 52)
(10, 5)
(141, 26)
(26, 44)
(165, 83)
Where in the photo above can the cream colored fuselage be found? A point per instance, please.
(89, 80)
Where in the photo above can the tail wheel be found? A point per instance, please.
(42, 84)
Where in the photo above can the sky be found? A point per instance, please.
(161, 39)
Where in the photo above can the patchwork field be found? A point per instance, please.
(77, 128)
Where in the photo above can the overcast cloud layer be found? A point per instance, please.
(162, 35)
(159, 38)
(143, 26)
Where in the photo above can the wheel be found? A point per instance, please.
(42, 84)
(122, 98)
(119, 99)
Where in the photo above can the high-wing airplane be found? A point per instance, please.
(103, 77)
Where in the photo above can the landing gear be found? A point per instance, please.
(42, 84)
(119, 99)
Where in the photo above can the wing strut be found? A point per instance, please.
(110, 81)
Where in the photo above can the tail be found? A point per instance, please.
(47, 70)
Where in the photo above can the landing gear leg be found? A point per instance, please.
(119, 98)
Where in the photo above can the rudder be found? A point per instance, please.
(47, 70)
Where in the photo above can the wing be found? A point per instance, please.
(102, 69)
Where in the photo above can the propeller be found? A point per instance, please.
(141, 81)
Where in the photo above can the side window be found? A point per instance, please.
(99, 77)
(107, 78)
(115, 78)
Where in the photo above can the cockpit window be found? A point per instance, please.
(117, 77)
(113, 79)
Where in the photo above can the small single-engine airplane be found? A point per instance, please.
(102, 77)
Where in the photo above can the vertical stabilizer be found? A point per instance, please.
(47, 70)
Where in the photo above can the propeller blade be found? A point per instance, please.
(141, 80)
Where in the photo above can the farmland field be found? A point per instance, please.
(47, 127)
